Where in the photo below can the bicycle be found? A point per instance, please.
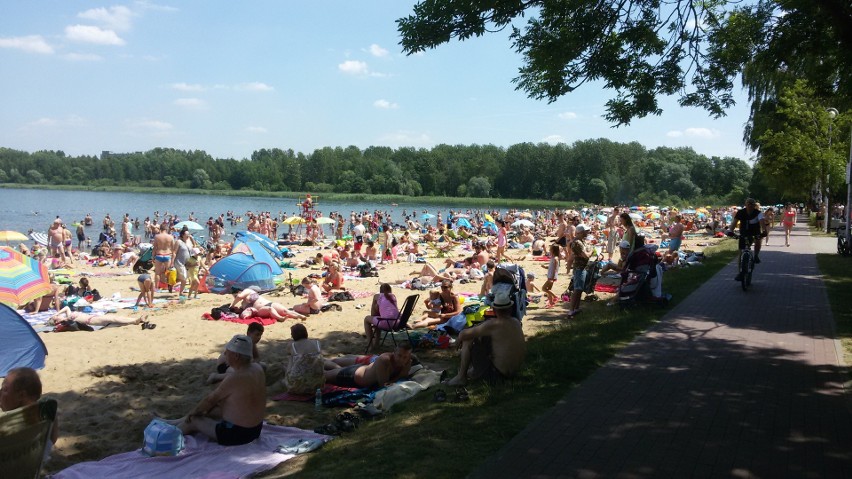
(746, 266)
(843, 248)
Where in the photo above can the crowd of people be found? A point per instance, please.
(490, 350)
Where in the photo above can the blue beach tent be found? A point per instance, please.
(248, 265)
(248, 236)
(20, 345)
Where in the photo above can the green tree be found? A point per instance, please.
(479, 187)
(643, 49)
(794, 154)
(200, 179)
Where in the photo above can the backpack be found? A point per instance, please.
(304, 372)
(341, 296)
(162, 439)
(514, 275)
(366, 270)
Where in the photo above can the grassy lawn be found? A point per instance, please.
(837, 271)
(421, 438)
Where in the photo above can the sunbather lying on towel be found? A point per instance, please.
(65, 314)
(386, 369)
(233, 413)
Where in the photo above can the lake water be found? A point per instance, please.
(22, 210)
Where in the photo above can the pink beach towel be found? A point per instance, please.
(237, 319)
(200, 459)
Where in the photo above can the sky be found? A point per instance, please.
(230, 78)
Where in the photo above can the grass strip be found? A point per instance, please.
(837, 276)
(424, 439)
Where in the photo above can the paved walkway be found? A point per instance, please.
(729, 384)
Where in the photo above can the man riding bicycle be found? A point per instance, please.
(750, 220)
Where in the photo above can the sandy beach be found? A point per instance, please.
(111, 383)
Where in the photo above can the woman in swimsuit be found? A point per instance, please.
(65, 314)
(314, 298)
(450, 306)
(333, 280)
(253, 303)
(788, 220)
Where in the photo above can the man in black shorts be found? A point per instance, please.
(750, 220)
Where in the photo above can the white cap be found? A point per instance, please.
(240, 344)
(581, 228)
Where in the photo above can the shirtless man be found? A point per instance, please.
(164, 244)
(494, 349)
(482, 256)
(22, 387)
(488, 279)
(233, 413)
(56, 240)
(612, 224)
(385, 369)
(66, 243)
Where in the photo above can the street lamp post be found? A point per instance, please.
(846, 218)
(832, 113)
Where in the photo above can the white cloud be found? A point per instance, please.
(146, 5)
(353, 67)
(187, 87)
(92, 34)
(702, 133)
(114, 18)
(378, 51)
(190, 102)
(82, 57)
(256, 129)
(44, 122)
(254, 86)
(407, 138)
(385, 105)
(29, 44)
(568, 115)
(553, 139)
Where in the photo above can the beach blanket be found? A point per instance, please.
(327, 389)
(237, 319)
(200, 459)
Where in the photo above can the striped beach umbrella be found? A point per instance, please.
(22, 279)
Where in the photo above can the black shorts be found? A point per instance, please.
(743, 240)
(346, 376)
(228, 434)
(562, 241)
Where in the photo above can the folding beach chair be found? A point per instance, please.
(400, 323)
(24, 434)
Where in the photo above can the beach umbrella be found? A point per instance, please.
(652, 215)
(523, 223)
(634, 208)
(427, 216)
(525, 214)
(22, 279)
(190, 225)
(489, 218)
(635, 216)
(688, 211)
(9, 235)
(601, 217)
(325, 220)
(463, 222)
(294, 220)
(461, 215)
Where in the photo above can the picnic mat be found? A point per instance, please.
(200, 459)
(236, 319)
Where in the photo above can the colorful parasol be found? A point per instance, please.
(22, 279)
(489, 218)
(294, 220)
(9, 235)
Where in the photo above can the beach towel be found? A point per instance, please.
(327, 389)
(200, 459)
(237, 319)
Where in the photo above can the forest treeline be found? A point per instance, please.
(597, 171)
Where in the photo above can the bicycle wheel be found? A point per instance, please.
(745, 272)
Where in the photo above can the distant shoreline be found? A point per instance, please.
(348, 197)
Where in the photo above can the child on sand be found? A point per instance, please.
(255, 332)
(433, 304)
(552, 269)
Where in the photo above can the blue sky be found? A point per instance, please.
(233, 77)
